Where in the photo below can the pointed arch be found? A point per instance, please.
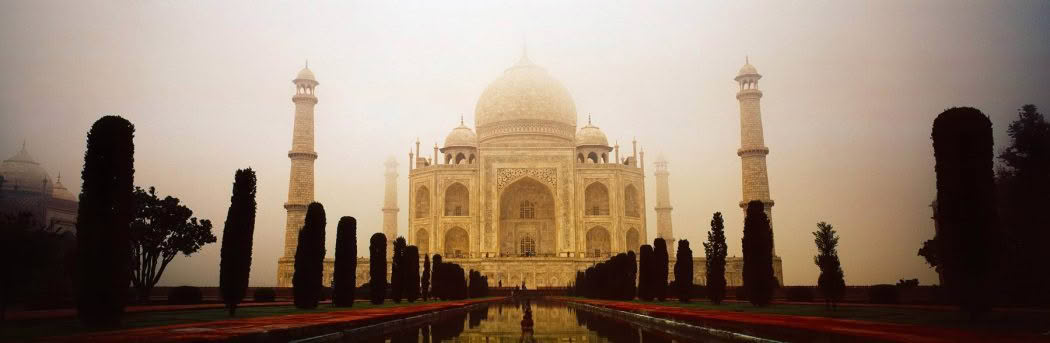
(460, 157)
(422, 202)
(592, 157)
(598, 242)
(596, 200)
(457, 200)
(457, 243)
(630, 202)
(423, 241)
(632, 240)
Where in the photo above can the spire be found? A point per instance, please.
(461, 120)
(524, 60)
(307, 63)
(588, 120)
(747, 59)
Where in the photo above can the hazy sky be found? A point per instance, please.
(851, 90)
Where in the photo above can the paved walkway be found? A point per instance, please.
(272, 328)
(72, 312)
(851, 328)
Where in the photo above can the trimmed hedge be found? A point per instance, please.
(185, 295)
(883, 294)
(799, 293)
(264, 295)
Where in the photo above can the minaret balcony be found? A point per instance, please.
(760, 151)
(307, 98)
(748, 93)
(302, 155)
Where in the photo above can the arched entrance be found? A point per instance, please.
(598, 242)
(527, 210)
(632, 241)
(456, 243)
(423, 241)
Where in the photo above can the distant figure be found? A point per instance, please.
(523, 285)
(500, 283)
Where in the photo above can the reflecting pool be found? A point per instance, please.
(509, 321)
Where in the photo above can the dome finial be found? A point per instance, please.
(588, 120)
(524, 60)
(461, 120)
(307, 63)
(747, 59)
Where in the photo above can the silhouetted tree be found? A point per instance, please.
(661, 268)
(968, 241)
(683, 271)
(377, 268)
(35, 260)
(632, 276)
(424, 286)
(646, 272)
(162, 229)
(716, 249)
(410, 268)
(309, 259)
(928, 251)
(397, 274)
(436, 286)
(237, 236)
(831, 283)
(1024, 189)
(107, 206)
(757, 245)
(453, 280)
(344, 275)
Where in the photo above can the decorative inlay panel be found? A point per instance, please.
(505, 176)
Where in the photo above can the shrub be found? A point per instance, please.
(344, 274)
(377, 268)
(803, 294)
(683, 271)
(661, 267)
(309, 259)
(883, 294)
(645, 273)
(185, 295)
(757, 244)
(236, 254)
(264, 295)
(968, 240)
(715, 249)
(103, 222)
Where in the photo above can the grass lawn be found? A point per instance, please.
(1011, 321)
(27, 329)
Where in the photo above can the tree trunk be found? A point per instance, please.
(233, 308)
(143, 292)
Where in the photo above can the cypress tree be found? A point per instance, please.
(645, 273)
(968, 241)
(309, 259)
(377, 268)
(411, 270)
(424, 286)
(683, 271)
(397, 274)
(345, 274)
(103, 222)
(831, 283)
(661, 268)
(437, 287)
(716, 249)
(237, 237)
(632, 276)
(757, 245)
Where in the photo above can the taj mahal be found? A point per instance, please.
(527, 194)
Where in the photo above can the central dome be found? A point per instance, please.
(525, 92)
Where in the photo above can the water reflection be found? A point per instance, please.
(525, 321)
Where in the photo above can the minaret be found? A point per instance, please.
(301, 177)
(663, 205)
(752, 150)
(390, 204)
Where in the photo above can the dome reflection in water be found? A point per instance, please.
(506, 322)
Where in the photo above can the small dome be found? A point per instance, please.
(21, 172)
(525, 91)
(461, 136)
(306, 74)
(591, 135)
(60, 191)
(748, 69)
